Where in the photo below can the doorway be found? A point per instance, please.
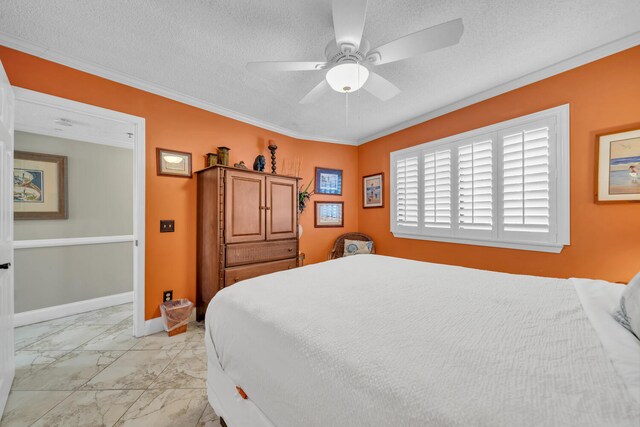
(100, 142)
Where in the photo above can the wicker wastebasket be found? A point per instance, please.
(175, 315)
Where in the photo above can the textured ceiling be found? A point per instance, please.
(200, 48)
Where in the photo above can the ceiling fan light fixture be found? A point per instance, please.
(347, 77)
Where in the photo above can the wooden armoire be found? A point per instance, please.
(247, 227)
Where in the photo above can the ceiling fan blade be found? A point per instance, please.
(285, 66)
(316, 93)
(423, 41)
(380, 87)
(348, 23)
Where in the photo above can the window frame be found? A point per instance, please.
(559, 159)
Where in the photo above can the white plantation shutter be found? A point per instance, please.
(526, 181)
(437, 189)
(527, 184)
(505, 185)
(406, 190)
(475, 185)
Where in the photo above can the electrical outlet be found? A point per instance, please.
(167, 296)
(167, 226)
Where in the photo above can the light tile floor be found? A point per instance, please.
(89, 370)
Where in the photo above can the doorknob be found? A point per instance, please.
(5, 266)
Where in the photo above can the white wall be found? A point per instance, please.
(100, 189)
(100, 193)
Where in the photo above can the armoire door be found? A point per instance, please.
(282, 208)
(244, 207)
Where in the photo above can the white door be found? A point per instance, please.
(7, 369)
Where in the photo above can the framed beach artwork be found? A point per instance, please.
(39, 186)
(329, 181)
(173, 163)
(329, 214)
(618, 167)
(372, 191)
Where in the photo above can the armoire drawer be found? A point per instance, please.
(237, 274)
(251, 253)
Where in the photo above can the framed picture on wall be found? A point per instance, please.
(372, 191)
(618, 167)
(173, 163)
(329, 214)
(329, 181)
(39, 186)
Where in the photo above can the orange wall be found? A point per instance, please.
(605, 239)
(603, 96)
(170, 258)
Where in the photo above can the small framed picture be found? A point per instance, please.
(329, 181)
(173, 163)
(39, 186)
(618, 167)
(329, 214)
(372, 191)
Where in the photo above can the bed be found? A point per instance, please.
(370, 340)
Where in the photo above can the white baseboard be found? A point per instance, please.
(153, 326)
(57, 311)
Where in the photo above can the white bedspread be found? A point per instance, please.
(369, 340)
(599, 300)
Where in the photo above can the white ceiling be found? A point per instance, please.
(197, 50)
(49, 120)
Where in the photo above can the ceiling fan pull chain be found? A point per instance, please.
(346, 109)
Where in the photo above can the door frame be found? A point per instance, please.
(138, 146)
(7, 341)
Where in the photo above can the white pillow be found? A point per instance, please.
(629, 312)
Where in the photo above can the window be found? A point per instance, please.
(505, 185)
(437, 189)
(475, 185)
(407, 192)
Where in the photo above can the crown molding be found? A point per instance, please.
(123, 78)
(126, 79)
(557, 68)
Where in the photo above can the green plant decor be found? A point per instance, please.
(304, 196)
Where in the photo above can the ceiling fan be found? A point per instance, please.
(350, 59)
